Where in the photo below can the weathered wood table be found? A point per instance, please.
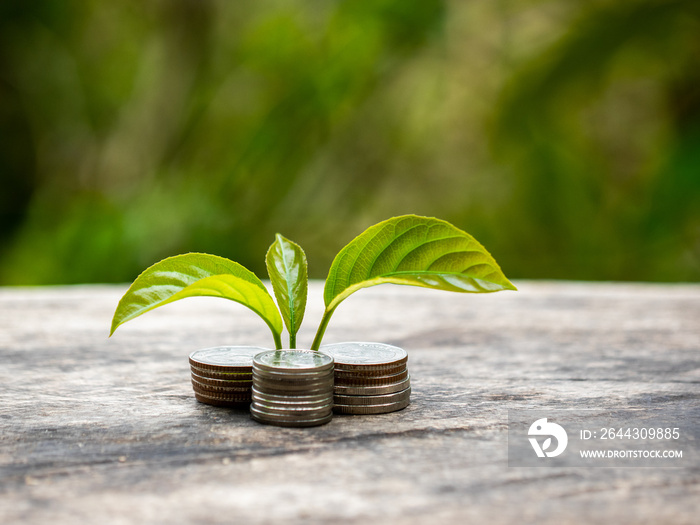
(99, 430)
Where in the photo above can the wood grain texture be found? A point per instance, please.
(98, 430)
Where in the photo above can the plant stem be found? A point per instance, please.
(322, 329)
(292, 340)
(278, 341)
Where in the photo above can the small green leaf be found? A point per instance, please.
(287, 268)
(197, 274)
(411, 250)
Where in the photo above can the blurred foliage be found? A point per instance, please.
(564, 135)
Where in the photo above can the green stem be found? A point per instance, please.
(322, 329)
(292, 340)
(278, 340)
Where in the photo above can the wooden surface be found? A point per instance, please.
(99, 430)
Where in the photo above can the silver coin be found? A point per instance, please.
(367, 371)
(224, 396)
(221, 402)
(305, 411)
(293, 378)
(222, 389)
(372, 400)
(298, 377)
(222, 382)
(225, 358)
(292, 400)
(275, 387)
(358, 378)
(293, 420)
(224, 376)
(293, 385)
(371, 409)
(372, 390)
(297, 395)
(289, 415)
(297, 423)
(325, 396)
(364, 354)
(291, 403)
(292, 361)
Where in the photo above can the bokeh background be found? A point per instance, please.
(564, 135)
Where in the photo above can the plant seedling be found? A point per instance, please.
(409, 250)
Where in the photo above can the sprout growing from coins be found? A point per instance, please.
(408, 250)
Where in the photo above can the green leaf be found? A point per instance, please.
(411, 250)
(287, 268)
(197, 274)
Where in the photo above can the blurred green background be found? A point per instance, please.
(564, 135)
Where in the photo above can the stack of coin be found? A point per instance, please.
(370, 378)
(223, 375)
(292, 388)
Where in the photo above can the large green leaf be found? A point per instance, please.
(287, 268)
(197, 274)
(411, 250)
